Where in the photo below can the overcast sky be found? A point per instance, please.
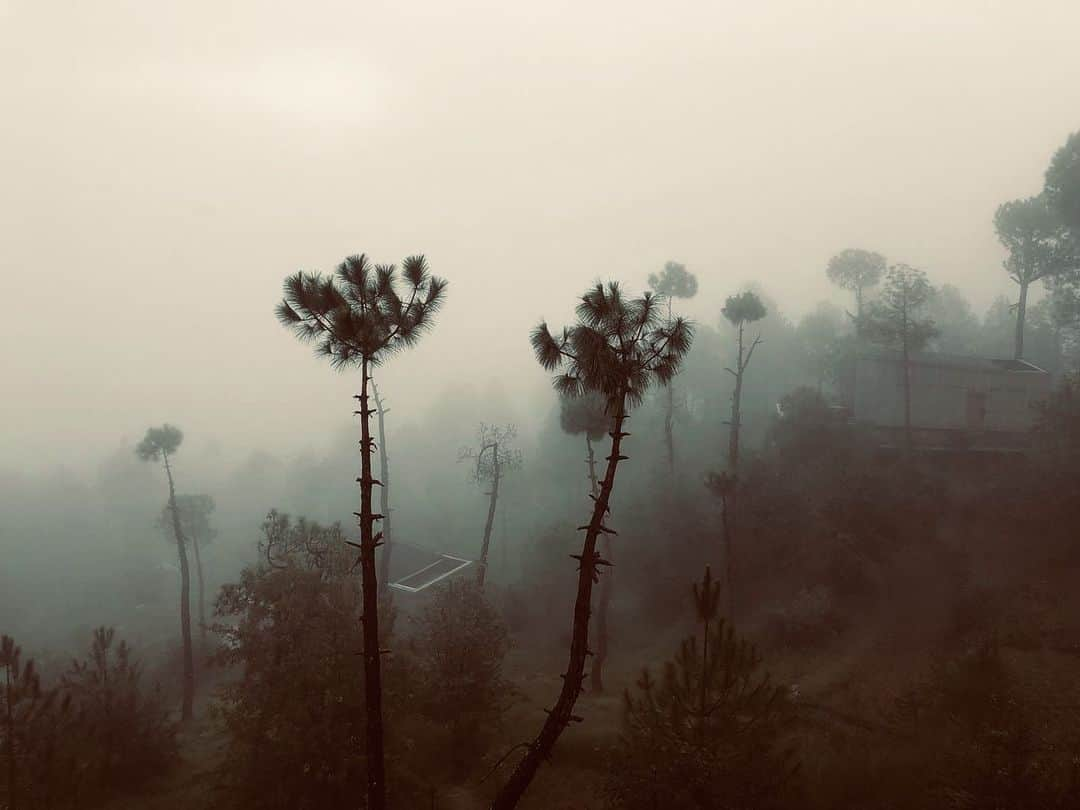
(165, 164)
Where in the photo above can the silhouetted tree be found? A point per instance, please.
(707, 734)
(674, 281)
(195, 511)
(856, 270)
(1062, 189)
(821, 336)
(295, 710)
(619, 348)
(585, 414)
(494, 458)
(1038, 247)
(897, 322)
(358, 318)
(158, 445)
(740, 310)
(384, 492)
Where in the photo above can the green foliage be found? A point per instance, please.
(823, 343)
(674, 281)
(1062, 189)
(807, 428)
(459, 646)
(896, 320)
(854, 269)
(358, 313)
(295, 715)
(195, 512)
(157, 441)
(1035, 237)
(128, 736)
(618, 349)
(584, 414)
(709, 733)
(746, 307)
(95, 733)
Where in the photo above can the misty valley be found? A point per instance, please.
(546, 408)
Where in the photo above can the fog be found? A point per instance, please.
(166, 167)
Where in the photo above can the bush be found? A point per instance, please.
(709, 734)
(295, 716)
(460, 645)
(94, 734)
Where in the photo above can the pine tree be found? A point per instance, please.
(357, 318)
(619, 348)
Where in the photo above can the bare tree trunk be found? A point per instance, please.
(384, 494)
(727, 523)
(736, 411)
(185, 599)
(669, 416)
(600, 656)
(202, 594)
(481, 573)
(376, 769)
(590, 561)
(1021, 317)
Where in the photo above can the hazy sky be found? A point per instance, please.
(164, 165)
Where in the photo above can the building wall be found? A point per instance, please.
(945, 396)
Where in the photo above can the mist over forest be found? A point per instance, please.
(576, 407)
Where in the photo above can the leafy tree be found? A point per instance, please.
(674, 281)
(290, 629)
(821, 339)
(76, 743)
(897, 322)
(856, 270)
(358, 318)
(195, 511)
(124, 729)
(1038, 247)
(958, 328)
(494, 457)
(585, 414)
(618, 349)
(708, 734)
(22, 693)
(461, 643)
(158, 445)
(1062, 190)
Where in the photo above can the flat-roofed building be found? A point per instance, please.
(957, 401)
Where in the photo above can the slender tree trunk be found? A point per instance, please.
(481, 573)
(728, 502)
(606, 584)
(376, 770)
(669, 416)
(589, 569)
(1021, 316)
(736, 411)
(202, 593)
(185, 599)
(384, 494)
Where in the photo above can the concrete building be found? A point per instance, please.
(957, 402)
